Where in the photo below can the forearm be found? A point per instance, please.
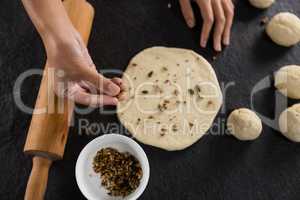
(50, 19)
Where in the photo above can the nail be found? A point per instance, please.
(113, 88)
(203, 43)
(226, 41)
(115, 101)
(218, 47)
(190, 23)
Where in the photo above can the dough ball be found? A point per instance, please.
(289, 123)
(244, 124)
(261, 3)
(284, 29)
(287, 81)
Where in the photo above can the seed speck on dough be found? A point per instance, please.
(174, 128)
(198, 88)
(164, 69)
(175, 92)
(209, 103)
(145, 91)
(191, 92)
(150, 74)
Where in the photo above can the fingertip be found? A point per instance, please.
(114, 101)
(226, 41)
(113, 89)
(116, 80)
(203, 43)
(190, 22)
(218, 47)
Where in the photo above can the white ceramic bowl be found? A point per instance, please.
(89, 182)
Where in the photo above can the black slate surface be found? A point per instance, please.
(216, 167)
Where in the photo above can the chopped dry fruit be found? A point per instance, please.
(175, 92)
(150, 74)
(134, 64)
(209, 103)
(163, 106)
(198, 88)
(120, 173)
(164, 69)
(191, 91)
(174, 127)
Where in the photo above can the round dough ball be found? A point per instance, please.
(289, 123)
(287, 81)
(284, 29)
(244, 124)
(261, 3)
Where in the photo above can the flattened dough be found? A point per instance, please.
(284, 29)
(172, 97)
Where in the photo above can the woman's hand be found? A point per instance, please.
(219, 13)
(76, 76)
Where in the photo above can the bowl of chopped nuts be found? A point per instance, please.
(112, 167)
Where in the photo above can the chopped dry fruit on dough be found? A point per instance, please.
(170, 73)
(191, 91)
(150, 74)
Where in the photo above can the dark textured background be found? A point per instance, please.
(216, 167)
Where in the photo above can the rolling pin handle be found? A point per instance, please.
(38, 179)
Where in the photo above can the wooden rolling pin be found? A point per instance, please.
(48, 130)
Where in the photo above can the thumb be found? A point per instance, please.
(102, 83)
